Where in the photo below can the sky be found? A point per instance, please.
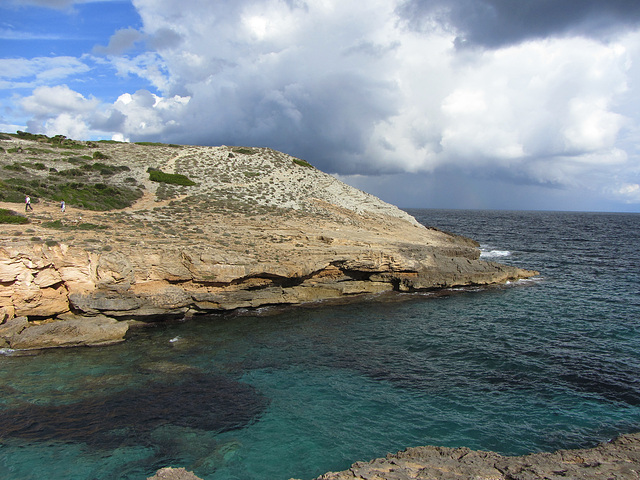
(481, 104)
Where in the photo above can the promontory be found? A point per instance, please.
(154, 231)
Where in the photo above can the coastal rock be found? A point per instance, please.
(169, 473)
(81, 331)
(11, 327)
(259, 228)
(618, 459)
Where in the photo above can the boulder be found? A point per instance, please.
(80, 331)
(173, 474)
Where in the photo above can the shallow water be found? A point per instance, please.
(536, 365)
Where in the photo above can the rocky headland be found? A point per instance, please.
(154, 231)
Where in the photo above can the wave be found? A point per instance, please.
(485, 252)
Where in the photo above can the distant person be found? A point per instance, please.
(63, 206)
(27, 203)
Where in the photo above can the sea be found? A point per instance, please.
(534, 365)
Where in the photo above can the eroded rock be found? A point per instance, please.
(80, 331)
(618, 459)
(169, 473)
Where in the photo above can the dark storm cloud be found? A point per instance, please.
(496, 23)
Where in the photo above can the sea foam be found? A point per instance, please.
(487, 253)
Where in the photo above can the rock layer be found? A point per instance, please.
(259, 229)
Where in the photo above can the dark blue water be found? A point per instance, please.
(536, 365)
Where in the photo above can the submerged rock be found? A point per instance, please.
(212, 403)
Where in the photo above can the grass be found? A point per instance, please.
(9, 216)
(58, 225)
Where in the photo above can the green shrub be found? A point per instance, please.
(156, 175)
(99, 155)
(302, 163)
(16, 167)
(244, 151)
(9, 216)
(38, 151)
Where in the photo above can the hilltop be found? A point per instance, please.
(154, 231)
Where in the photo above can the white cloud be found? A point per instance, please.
(149, 114)
(68, 124)
(148, 66)
(352, 80)
(55, 4)
(120, 42)
(51, 101)
(23, 72)
(629, 192)
(352, 88)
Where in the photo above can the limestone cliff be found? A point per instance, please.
(257, 228)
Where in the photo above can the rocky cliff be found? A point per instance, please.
(219, 229)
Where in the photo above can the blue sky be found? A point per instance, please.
(424, 103)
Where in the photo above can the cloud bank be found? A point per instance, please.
(537, 93)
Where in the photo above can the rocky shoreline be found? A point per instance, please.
(256, 228)
(617, 459)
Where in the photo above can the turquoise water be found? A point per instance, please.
(536, 365)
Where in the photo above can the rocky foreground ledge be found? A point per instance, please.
(247, 228)
(619, 459)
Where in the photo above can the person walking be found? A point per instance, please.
(27, 203)
(63, 206)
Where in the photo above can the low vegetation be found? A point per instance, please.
(59, 141)
(156, 175)
(92, 196)
(9, 216)
(244, 151)
(302, 163)
(157, 144)
(59, 225)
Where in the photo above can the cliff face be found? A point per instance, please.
(258, 228)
